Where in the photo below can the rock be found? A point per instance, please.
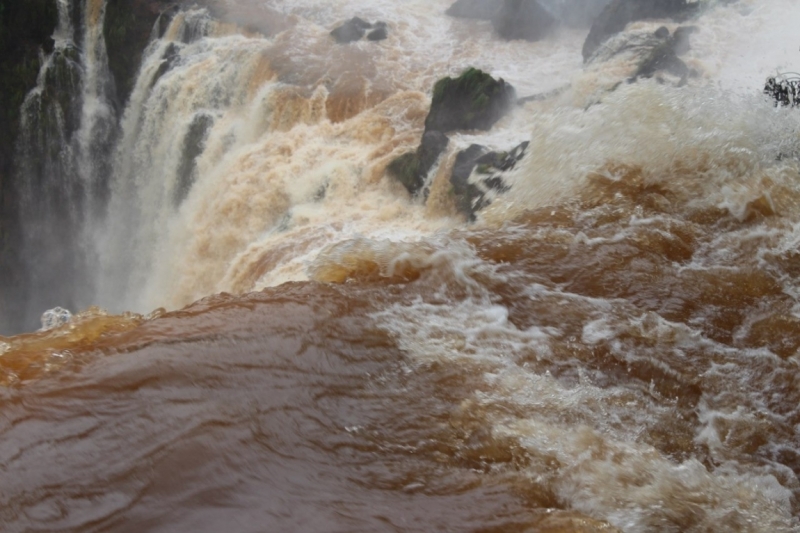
(785, 92)
(477, 176)
(380, 32)
(193, 146)
(473, 101)
(663, 57)
(474, 9)
(523, 19)
(412, 169)
(619, 13)
(26, 26)
(170, 58)
(432, 145)
(127, 28)
(662, 32)
(651, 52)
(352, 30)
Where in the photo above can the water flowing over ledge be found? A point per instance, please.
(611, 345)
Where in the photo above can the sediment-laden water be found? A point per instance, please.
(611, 346)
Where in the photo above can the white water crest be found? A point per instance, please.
(253, 152)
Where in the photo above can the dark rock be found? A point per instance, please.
(523, 19)
(662, 32)
(127, 28)
(26, 27)
(474, 9)
(169, 59)
(785, 92)
(474, 100)
(380, 32)
(619, 13)
(412, 169)
(405, 169)
(662, 57)
(477, 176)
(352, 30)
(432, 145)
(193, 146)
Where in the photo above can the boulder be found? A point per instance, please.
(355, 29)
(474, 9)
(478, 176)
(662, 57)
(411, 169)
(523, 19)
(619, 13)
(473, 101)
(380, 32)
(352, 30)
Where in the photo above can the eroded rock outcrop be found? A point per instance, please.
(477, 176)
(356, 28)
(619, 13)
(649, 53)
(472, 101)
(127, 29)
(411, 169)
(26, 27)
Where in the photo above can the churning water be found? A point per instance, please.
(611, 346)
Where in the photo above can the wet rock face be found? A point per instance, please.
(412, 169)
(26, 26)
(655, 53)
(356, 28)
(478, 176)
(523, 19)
(619, 13)
(474, 9)
(473, 101)
(127, 28)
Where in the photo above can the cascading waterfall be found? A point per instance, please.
(68, 122)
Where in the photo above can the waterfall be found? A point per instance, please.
(67, 124)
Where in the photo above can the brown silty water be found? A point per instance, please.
(613, 346)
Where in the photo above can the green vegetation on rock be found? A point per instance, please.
(474, 100)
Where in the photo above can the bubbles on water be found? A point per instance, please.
(54, 318)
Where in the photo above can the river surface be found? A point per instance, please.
(613, 345)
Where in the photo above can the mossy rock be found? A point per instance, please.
(473, 101)
(405, 169)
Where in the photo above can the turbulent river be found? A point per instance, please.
(613, 345)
